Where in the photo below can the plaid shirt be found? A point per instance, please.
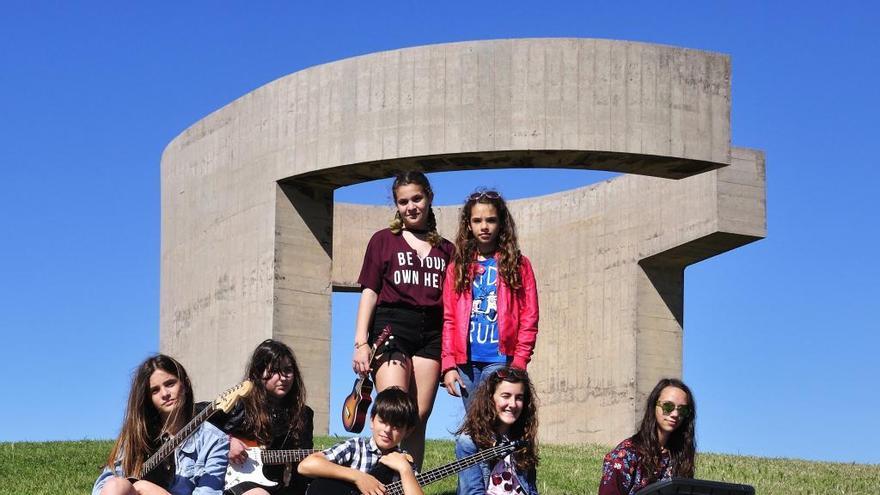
(357, 453)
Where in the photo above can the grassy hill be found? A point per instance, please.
(71, 468)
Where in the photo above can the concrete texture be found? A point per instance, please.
(252, 244)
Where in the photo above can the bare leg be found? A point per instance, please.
(256, 491)
(117, 486)
(393, 371)
(147, 488)
(423, 388)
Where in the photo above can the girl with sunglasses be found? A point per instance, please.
(273, 416)
(663, 448)
(503, 408)
(490, 298)
(401, 282)
(159, 404)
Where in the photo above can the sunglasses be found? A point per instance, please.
(667, 407)
(484, 194)
(515, 373)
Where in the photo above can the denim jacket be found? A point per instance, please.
(201, 464)
(475, 479)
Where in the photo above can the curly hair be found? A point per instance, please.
(481, 420)
(509, 256)
(272, 356)
(414, 177)
(681, 444)
(143, 425)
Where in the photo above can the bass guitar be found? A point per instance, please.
(386, 476)
(354, 409)
(251, 470)
(159, 468)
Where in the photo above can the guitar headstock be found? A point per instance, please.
(386, 332)
(228, 399)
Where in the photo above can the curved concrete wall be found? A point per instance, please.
(247, 210)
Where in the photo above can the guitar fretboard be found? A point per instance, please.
(168, 447)
(284, 456)
(428, 477)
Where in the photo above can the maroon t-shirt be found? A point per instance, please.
(394, 270)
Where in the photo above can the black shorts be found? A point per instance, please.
(416, 331)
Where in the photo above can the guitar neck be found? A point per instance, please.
(172, 443)
(437, 474)
(274, 457)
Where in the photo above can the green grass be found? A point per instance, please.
(60, 468)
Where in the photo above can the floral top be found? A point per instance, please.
(622, 471)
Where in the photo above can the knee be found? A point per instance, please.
(117, 486)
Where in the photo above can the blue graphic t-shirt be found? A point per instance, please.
(483, 336)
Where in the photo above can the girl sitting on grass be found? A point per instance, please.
(159, 404)
(503, 408)
(273, 415)
(663, 447)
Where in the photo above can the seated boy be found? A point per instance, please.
(393, 416)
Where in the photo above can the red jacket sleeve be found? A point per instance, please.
(528, 317)
(447, 352)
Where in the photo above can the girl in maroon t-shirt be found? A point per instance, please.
(401, 285)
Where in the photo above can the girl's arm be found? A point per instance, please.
(447, 354)
(471, 481)
(212, 481)
(528, 317)
(366, 307)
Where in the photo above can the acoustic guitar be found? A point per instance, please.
(386, 476)
(251, 470)
(159, 468)
(354, 409)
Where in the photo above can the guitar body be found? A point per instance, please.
(327, 486)
(356, 405)
(250, 471)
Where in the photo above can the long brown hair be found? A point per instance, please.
(272, 356)
(509, 256)
(142, 425)
(419, 179)
(682, 444)
(481, 421)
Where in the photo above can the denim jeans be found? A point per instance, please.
(473, 374)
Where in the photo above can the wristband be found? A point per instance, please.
(358, 346)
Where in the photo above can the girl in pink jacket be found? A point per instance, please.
(490, 299)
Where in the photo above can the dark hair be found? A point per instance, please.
(419, 179)
(681, 444)
(143, 425)
(396, 407)
(509, 257)
(481, 420)
(270, 356)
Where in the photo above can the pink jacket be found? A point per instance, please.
(517, 319)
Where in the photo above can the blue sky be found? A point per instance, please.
(780, 341)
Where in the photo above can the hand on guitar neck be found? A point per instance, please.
(356, 404)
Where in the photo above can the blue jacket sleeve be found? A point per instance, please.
(216, 459)
(471, 481)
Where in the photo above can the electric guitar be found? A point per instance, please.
(386, 476)
(251, 470)
(159, 468)
(354, 409)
